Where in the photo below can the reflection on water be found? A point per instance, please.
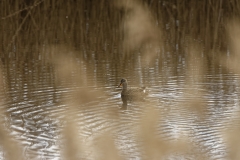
(61, 63)
(33, 99)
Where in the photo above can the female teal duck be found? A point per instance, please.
(133, 91)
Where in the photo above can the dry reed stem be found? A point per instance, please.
(232, 136)
(64, 66)
(234, 38)
(74, 146)
(26, 8)
(140, 30)
(105, 148)
(153, 146)
(23, 21)
(233, 143)
(72, 74)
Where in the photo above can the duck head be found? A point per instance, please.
(123, 83)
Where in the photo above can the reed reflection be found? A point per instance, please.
(55, 90)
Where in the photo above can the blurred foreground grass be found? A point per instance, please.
(196, 29)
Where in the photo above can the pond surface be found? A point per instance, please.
(36, 101)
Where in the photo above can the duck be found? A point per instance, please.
(136, 92)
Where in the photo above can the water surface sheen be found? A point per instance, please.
(34, 98)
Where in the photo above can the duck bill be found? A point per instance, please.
(120, 85)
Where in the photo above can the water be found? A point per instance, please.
(35, 101)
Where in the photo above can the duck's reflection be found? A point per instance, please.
(125, 100)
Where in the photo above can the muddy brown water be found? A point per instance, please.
(32, 99)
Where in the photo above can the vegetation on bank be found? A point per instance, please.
(202, 31)
(94, 25)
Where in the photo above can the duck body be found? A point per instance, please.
(136, 92)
